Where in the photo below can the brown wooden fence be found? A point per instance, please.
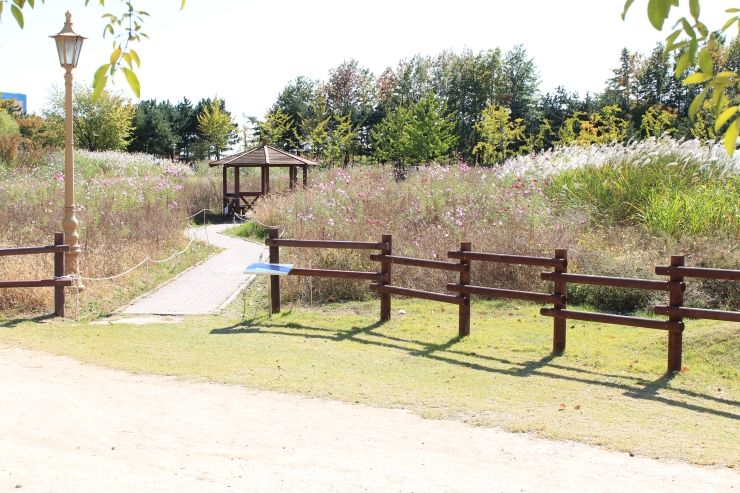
(381, 283)
(57, 282)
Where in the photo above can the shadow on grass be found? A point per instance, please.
(211, 217)
(15, 322)
(544, 367)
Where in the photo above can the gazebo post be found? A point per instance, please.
(266, 190)
(305, 175)
(237, 188)
(291, 176)
(225, 191)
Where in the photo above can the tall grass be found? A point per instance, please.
(668, 189)
(528, 206)
(129, 207)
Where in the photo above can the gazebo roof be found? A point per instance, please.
(264, 155)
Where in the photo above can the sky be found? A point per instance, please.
(246, 51)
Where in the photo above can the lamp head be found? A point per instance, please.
(69, 44)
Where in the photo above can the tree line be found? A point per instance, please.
(478, 107)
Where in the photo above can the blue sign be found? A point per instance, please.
(269, 269)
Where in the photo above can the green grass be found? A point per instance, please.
(249, 230)
(608, 388)
(668, 193)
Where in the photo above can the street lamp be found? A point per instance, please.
(69, 45)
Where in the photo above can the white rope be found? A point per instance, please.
(148, 259)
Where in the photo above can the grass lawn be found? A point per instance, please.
(608, 388)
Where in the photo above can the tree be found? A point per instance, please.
(696, 42)
(430, 130)
(277, 130)
(390, 138)
(520, 83)
(153, 129)
(499, 133)
(100, 124)
(343, 138)
(219, 130)
(604, 127)
(657, 121)
(124, 27)
(295, 101)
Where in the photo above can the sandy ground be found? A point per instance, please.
(65, 426)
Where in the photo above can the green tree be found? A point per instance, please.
(430, 130)
(657, 121)
(100, 123)
(390, 138)
(154, 131)
(499, 134)
(8, 125)
(343, 138)
(277, 130)
(217, 127)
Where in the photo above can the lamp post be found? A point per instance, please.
(69, 45)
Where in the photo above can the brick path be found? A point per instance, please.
(208, 287)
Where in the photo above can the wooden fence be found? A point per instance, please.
(381, 282)
(57, 282)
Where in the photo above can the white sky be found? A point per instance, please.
(245, 51)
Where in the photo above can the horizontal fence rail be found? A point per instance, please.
(507, 259)
(607, 318)
(350, 245)
(699, 272)
(381, 283)
(58, 282)
(615, 282)
(337, 274)
(417, 293)
(507, 293)
(417, 262)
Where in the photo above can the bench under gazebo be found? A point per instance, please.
(264, 157)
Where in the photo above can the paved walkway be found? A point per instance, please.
(208, 287)
(69, 427)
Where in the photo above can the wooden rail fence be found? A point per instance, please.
(57, 282)
(381, 283)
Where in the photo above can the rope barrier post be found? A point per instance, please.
(675, 299)
(464, 307)
(560, 287)
(272, 234)
(385, 278)
(58, 272)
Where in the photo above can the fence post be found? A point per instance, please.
(385, 279)
(464, 308)
(58, 272)
(272, 234)
(560, 287)
(675, 299)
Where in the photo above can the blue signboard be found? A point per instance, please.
(269, 269)
(20, 100)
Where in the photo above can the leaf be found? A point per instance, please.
(729, 23)
(683, 63)
(17, 14)
(694, 8)
(627, 6)
(135, 57)
(687, 27)
(705, 62)
(696, 104)
(731, 137)
(182, 5)
(115, 55)
(133, 81)
(658, 12)
(696, 78)
(724, 116)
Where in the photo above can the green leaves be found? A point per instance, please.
(731, 136)
(724, 117)
(100, 80)
(17, 14)
(133, 81)
(658, 11)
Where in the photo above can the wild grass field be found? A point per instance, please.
(130, 207)
(619, 209)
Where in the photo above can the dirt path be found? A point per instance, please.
(209, 286)
(65, 426)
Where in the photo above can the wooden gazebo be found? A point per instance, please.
(264, 157)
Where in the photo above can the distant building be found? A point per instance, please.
(19, 99)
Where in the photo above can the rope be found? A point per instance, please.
(148, 259)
